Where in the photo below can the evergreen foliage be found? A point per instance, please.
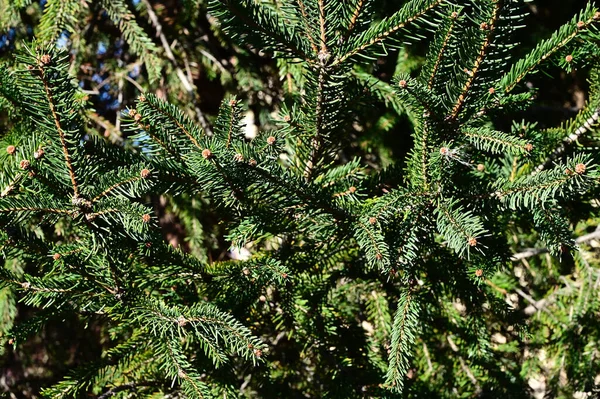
(308, 269)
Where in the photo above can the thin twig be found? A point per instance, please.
(528, 253)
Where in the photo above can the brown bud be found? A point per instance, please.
(262, 298)
(39, 153)
(444, 151)
(580, 168)
(233, 102)
(479, 272)
(181, 321)
(372, 220)
(142, 98)
(580, 25)
(252, 162)
(597, 16)
(491, 90)
(238, 157)
(528, 147)
(137, 117)
(472, 241)
(11, 341)
(250, 346)
(246, 271)
(568, 172)
(145, 173)
(132, 112)
(352, 189)
(402, 84)
(56, 256)
(26, 285)
(11, 149)
(207, 154)
(454, 15)
(481, 167)
(569, 58)
(271, 140)
(148, 244)
(146, 218)
(484, 26)
(257, 353)
(287, 118)
(24, 164)
(378, 256)
(45, 59)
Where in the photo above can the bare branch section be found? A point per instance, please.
(528, 253)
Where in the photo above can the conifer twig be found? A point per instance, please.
(587, 125)
(384, 35)
(354, 18)
(61, 133)
(187, 84)
(485, 46)
(307, 26)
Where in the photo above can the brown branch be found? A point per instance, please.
(354, 18)
(322, 26)
(439, 57)
(460, 102)
(385, 34)
(61, 134)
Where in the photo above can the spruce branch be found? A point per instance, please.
(354, 19)
(403, 337)
(240, 19)
(410, 12)
(188, 85)
(307, 26)
(439, 49)
(496, 142)
(534, 190)
(138, 40)
(460, 228)
(59, 129)
(483, 51)
(544, 50)
(588, 125)
(528, 253)
(59, 15)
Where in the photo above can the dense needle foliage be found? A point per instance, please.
(371, 211)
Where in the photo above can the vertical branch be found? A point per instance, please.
(485, 46)
(61, 134)
(306, 26)
(322, 26)
(438, 59)
(317, 139)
